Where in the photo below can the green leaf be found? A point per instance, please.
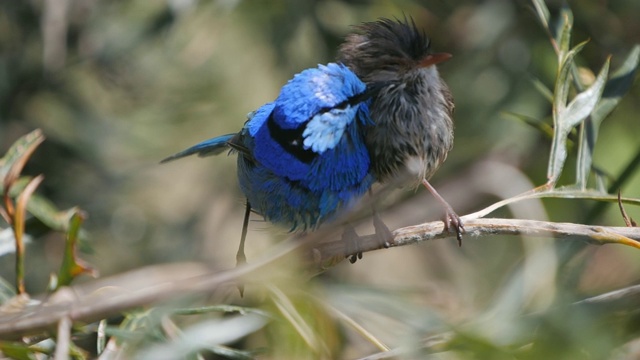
(586, 146)
(563, 83)
(617, 86)
(17, 350)
(72, 266)
(563, 35)
(12, 163)
(7, 291)
(219, 308)
(558, 153)
(207, 335)
(101, 337)
(19, 218)
(543, 12)
(49, 214)
(543, 89)
(538, 124)
(15, 158)
(43, 209)
(584, 104)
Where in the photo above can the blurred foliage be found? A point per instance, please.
(117, 86)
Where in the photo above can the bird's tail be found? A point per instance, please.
(206, 148)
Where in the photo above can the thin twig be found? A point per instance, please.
(63, 343)
(98, 299)
(476, 228)
(631, 292)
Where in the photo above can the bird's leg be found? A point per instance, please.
(451, 220)
(350, 237)
(241, 258)
(383, 233)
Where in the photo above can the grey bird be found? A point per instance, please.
(412, 115)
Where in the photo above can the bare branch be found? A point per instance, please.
(63, 342)
(476, 228)
(101, 298)
(627, 220)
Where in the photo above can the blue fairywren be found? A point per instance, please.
(412, 113)
(302, 157)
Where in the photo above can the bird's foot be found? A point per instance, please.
(384, 235)
(452, 222)
(241, 260)
(351, 238)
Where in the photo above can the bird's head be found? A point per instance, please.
(387, 49)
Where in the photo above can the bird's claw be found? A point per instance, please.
(350, 237)
(452, 222)
(241, 260)
(353, 258)
(384, 235)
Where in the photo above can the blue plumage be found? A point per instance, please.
(302, 157)
(206, 148)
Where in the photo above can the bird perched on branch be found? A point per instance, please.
(412, 129)
(302, 157)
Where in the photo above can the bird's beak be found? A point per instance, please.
(433, 59)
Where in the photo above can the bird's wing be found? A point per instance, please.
(206, 148)
(310, 118)
(314, 91)
(319, 103)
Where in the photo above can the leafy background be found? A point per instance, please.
(117, 86)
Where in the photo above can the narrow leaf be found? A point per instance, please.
(13, 162)
(21, 206)
(581, 107)
(587, 143)
(45, 211)
(543, 89)
(557, 157)
(41, 208)
(289, 311)
(558, 153)
(101, 341)
(17, 350)
(207, 334)
(584, 103)
(11, 166)
(542, 11)
(220, 308)
(617, 86)
(563, 83)
(7, 291)
(537, 124)
(18, 230)
(72, 266)
(544, 192)
(563, 33)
